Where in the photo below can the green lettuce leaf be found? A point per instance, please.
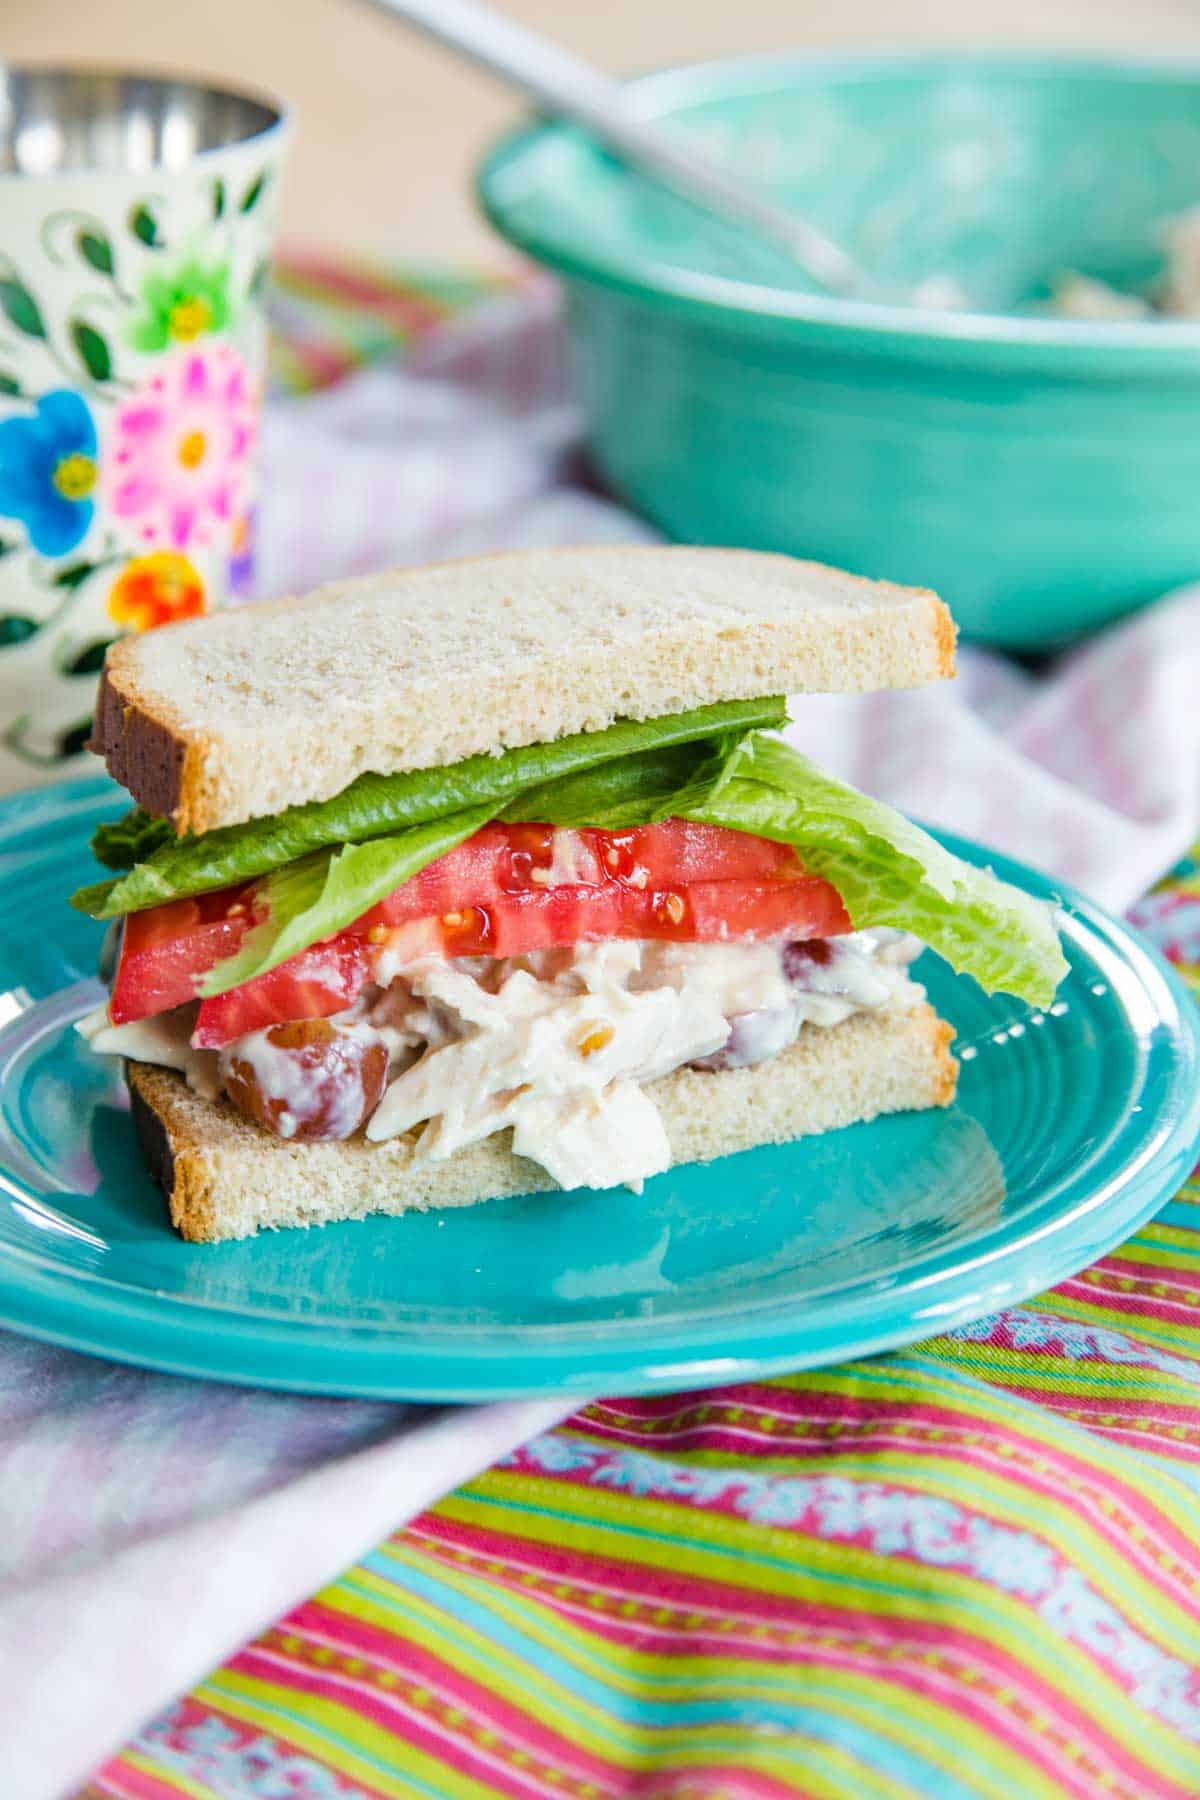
(130, 839)
(327, 890)
(380, 805)
(886, 869)
(630, 792)
(325, 865)
(321, 893)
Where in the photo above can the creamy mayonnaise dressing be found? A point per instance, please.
(556, 1048)
(559, 1045)
(163, 1040)
(297, 1085)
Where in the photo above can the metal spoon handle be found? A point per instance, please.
(567, 87)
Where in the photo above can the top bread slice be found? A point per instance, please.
(238, 715)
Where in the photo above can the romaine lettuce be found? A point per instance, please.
(886, 869)
(378, 805)
(630, 792)
(135, 836)
(327, 890)
(328, 863)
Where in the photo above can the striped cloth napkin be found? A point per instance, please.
(961, 1571)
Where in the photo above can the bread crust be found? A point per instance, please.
(836, 632)
(224, 1177)
(149, 752)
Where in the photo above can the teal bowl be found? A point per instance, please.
(1043, 474)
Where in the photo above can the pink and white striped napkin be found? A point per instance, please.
(152, 1524)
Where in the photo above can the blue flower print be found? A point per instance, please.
(48, 471)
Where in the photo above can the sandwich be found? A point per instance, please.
(496, 876)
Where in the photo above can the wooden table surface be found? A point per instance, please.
(390, 127)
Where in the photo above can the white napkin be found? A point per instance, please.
(152, 1524)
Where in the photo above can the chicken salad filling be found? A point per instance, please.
(560, 1046)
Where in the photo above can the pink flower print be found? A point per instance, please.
(177, 455)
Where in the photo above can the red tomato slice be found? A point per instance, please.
(805, 907)
(497, 860)
(501, 893)
(317, 982)
(543, 919)
(676, 853)
(706, 912)
(506, 860)
(165, 948)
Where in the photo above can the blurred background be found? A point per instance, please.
(391, 128)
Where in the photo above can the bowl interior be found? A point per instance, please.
(994, 173)
(56, 120)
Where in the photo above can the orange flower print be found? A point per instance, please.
(154, 590)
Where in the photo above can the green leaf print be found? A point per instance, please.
(253, 193)
(95, 249)
(20, 307)
(89, 660)
(94, 352)
(144, 225)
(71, 577)
(15, 629)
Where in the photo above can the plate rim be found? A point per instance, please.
(174, 1335)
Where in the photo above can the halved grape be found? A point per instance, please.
(307, 1079)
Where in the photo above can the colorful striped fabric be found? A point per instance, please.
(964, 1572)
(331, 316)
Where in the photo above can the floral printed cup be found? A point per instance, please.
(138, 216)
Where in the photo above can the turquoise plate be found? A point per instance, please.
(1071, 1127)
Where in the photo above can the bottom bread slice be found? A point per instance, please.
(225, 1177)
